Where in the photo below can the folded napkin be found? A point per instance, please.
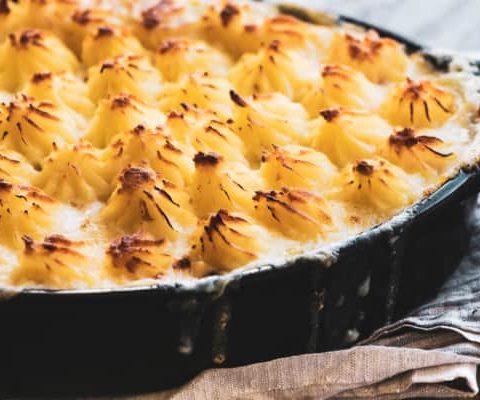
(433, 353)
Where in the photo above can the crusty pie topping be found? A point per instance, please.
(172, 140)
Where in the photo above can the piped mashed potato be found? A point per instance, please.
(146, 142)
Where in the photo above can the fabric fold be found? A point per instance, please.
(362, 372)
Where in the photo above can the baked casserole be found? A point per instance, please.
(171, 140)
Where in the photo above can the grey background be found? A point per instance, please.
(441, 23)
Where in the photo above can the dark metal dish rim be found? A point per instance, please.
(215, 285)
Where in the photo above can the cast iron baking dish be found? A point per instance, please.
(138, 339)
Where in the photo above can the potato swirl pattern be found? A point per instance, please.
(142, 143)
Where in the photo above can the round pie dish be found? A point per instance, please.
(140, 338)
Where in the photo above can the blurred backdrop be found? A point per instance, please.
(442, 23)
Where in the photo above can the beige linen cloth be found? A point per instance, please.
(433, 353)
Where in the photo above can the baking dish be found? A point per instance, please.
(132, 339)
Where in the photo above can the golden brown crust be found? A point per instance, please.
(153, 15)
(4, 8)
(137, 256)
(179, 138)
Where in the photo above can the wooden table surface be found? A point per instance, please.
(451, 24)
